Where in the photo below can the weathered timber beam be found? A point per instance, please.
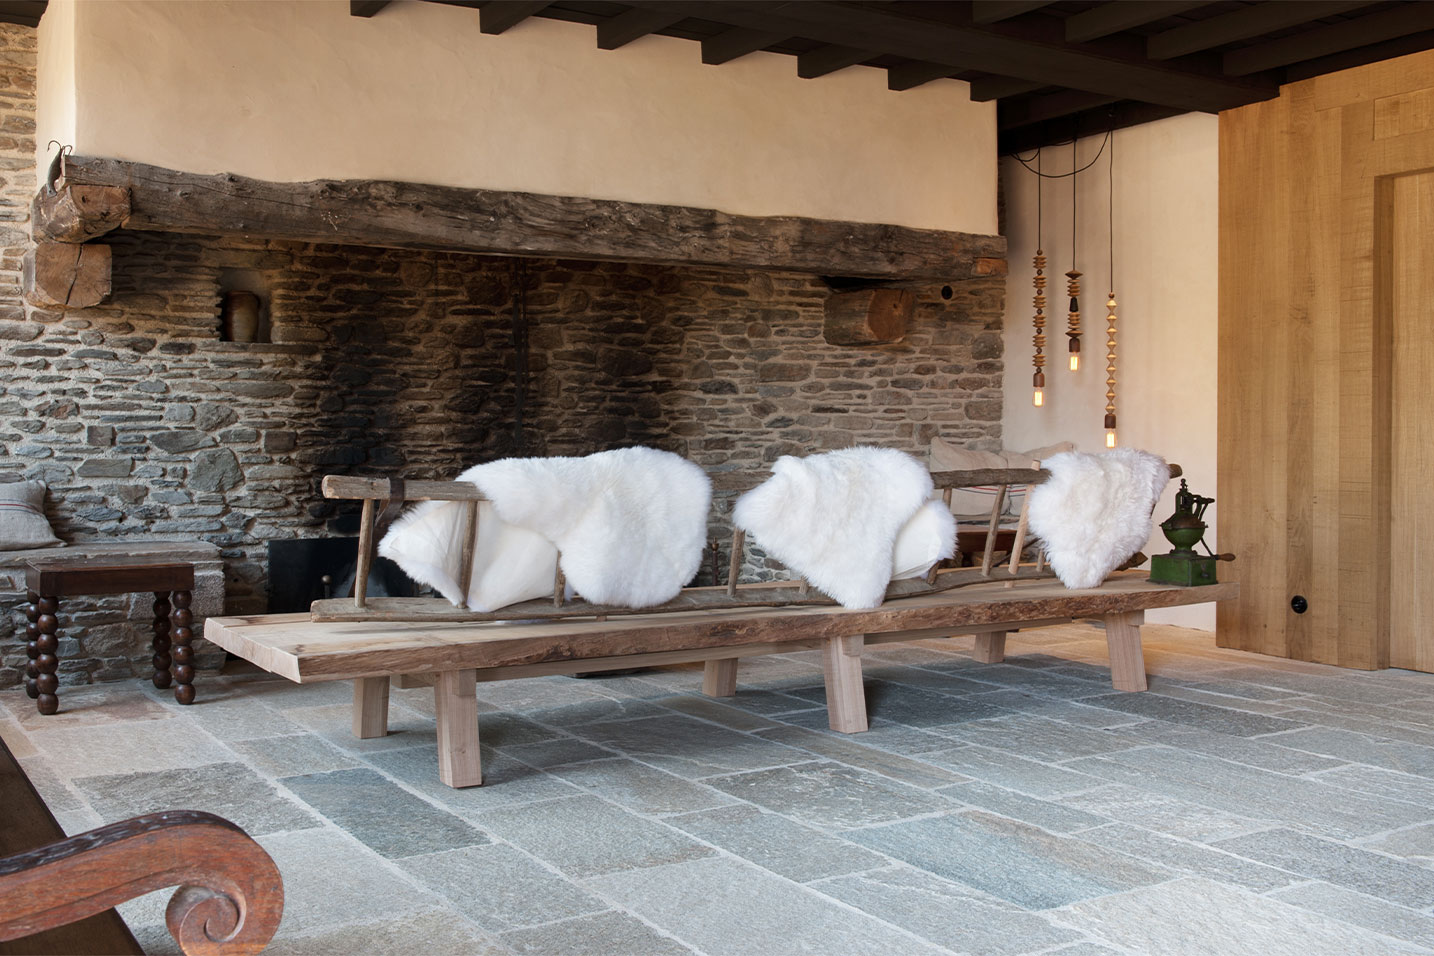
(1022, 111)
(1335, 38)
(366, 8)
(914, 73)
(65, 275)
(633, 24)
(499, 16)
(992, 11)
(491, 222)
(1242, 24)
(732, 44)
(1113, 17)
(829, 59)
(78, 213)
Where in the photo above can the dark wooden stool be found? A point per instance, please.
(172, 584)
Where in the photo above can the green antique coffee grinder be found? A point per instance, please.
(1185, 529)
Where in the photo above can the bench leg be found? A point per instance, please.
(370, 717)
(455, 695)
(846, 698)
(990, 647)
(1127, 660)
(719, 678)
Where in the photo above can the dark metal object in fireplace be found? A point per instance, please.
(297, 568)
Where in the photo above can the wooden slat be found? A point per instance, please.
(499, 16)
(470, 542)
(1107, 18)
(829, 59)
(420, 216)
(737, 42)
(1387, 24)
(365, 552)
(734, 562)
(633, 24)
(991, 531)
(58, 576)
(1242, 24)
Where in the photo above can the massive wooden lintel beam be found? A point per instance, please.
(78, 213)
(491, 222)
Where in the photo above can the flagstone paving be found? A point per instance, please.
(1244, 805)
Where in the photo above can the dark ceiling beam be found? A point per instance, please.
(989, 51)
(987, 88)
(1120, 15)
(737, 42)
(913, 73)
(991, 11)
(1252, 21)
(1335, 38)
(829, 59)
(357, 8)
(1388, 50)
(1025, 110)
(499, 16)
(1094, 122)
(633, 24)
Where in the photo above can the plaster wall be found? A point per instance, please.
(54, 80)
(1166, 220)
(297, 91)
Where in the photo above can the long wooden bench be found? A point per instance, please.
(458, 655)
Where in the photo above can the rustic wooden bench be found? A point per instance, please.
(456, 655)
(57, 893)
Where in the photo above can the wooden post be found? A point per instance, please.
(719, 677)
(1020, 543)
(734, 565)
(455, 697)
(65, 275)
(1127, 660)
(991, 531)
(560, 583)
(370, 716)
(365, 549)
(990, 647)
(470, 532)
(846, 697)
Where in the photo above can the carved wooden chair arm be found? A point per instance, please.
(230, 894)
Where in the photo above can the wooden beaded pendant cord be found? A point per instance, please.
(1073, 277)
(1038, 380)
(1110, 316)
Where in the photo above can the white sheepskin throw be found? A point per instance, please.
(835, 518)
(1094, 512)
(630, 525)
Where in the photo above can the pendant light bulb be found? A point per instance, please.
(1038, 398)
(1110, 438)
(1075, 361)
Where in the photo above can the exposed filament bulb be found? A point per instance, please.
(1075, 361)
(1110, 438)
(1038, 398)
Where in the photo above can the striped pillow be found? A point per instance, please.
(22, 517)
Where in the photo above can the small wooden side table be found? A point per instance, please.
(171, 582)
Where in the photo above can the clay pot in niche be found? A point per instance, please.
(240, 317)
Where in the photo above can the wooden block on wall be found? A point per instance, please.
(868, 316)
(66, 275)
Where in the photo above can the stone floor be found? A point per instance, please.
(1243, 805)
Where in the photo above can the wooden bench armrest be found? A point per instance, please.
(230, 894)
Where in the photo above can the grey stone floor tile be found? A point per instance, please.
(231, 790)
(119, 702)
(1223, 720)
(1208, 683)
(1042, 739)
(1084, 949)
(284, 695)
(691, 748)
(1360, 909)
(1047, 814)
(500, 729)
(77, 821)
(1415, 842)
(422, 933)
(1014, 772)
(606, 934)
(768, 702)
(830, 795)
(291, 755)
(1163, 688)
(945, 913)
(1162, 814)
(1250, 791)
(716, 711)
(725, 908)
(1376, 726)
(853, 749)
(499, 888)
(920, 708)
(1007, 859)
(1324, 681)
(640, 787)
(507, 781)
(381, 814)
(583, 836)
(1263, 752)
(1041, 682)
(775, 843)
(558, 752)
(1408, 884)
(942, 682)
(59, 795)
(79, 750)
(1378, 782)
(334, 723)
(535, 694)
(1198, 917)
(1188, 858)
(239, 718)
(595, 710)
(1361, 748)
(1070, 712)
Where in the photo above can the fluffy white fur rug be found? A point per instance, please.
(631, 526)
(835, 519)
(1095, 511)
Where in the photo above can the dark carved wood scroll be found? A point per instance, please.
(418, 216)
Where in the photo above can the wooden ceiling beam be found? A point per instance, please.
(1359, 56)
(1120, 15)
(499, 16)
(829, 59)
(737, 42)
(1242, 24)
(1335, 38)
(1094, 122)
(987, 88)
(913, 73)
(363, 8)
(1023, 111)
(633, 24)
(989, 51)
(992, 11)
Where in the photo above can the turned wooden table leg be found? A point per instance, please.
(181, 618)
(47, 646)
(719, 678)
(161, 659)
(990, 647)
(1127, 660)
(370, 716)
(455, 696)
(846, 697)
(32, 648)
